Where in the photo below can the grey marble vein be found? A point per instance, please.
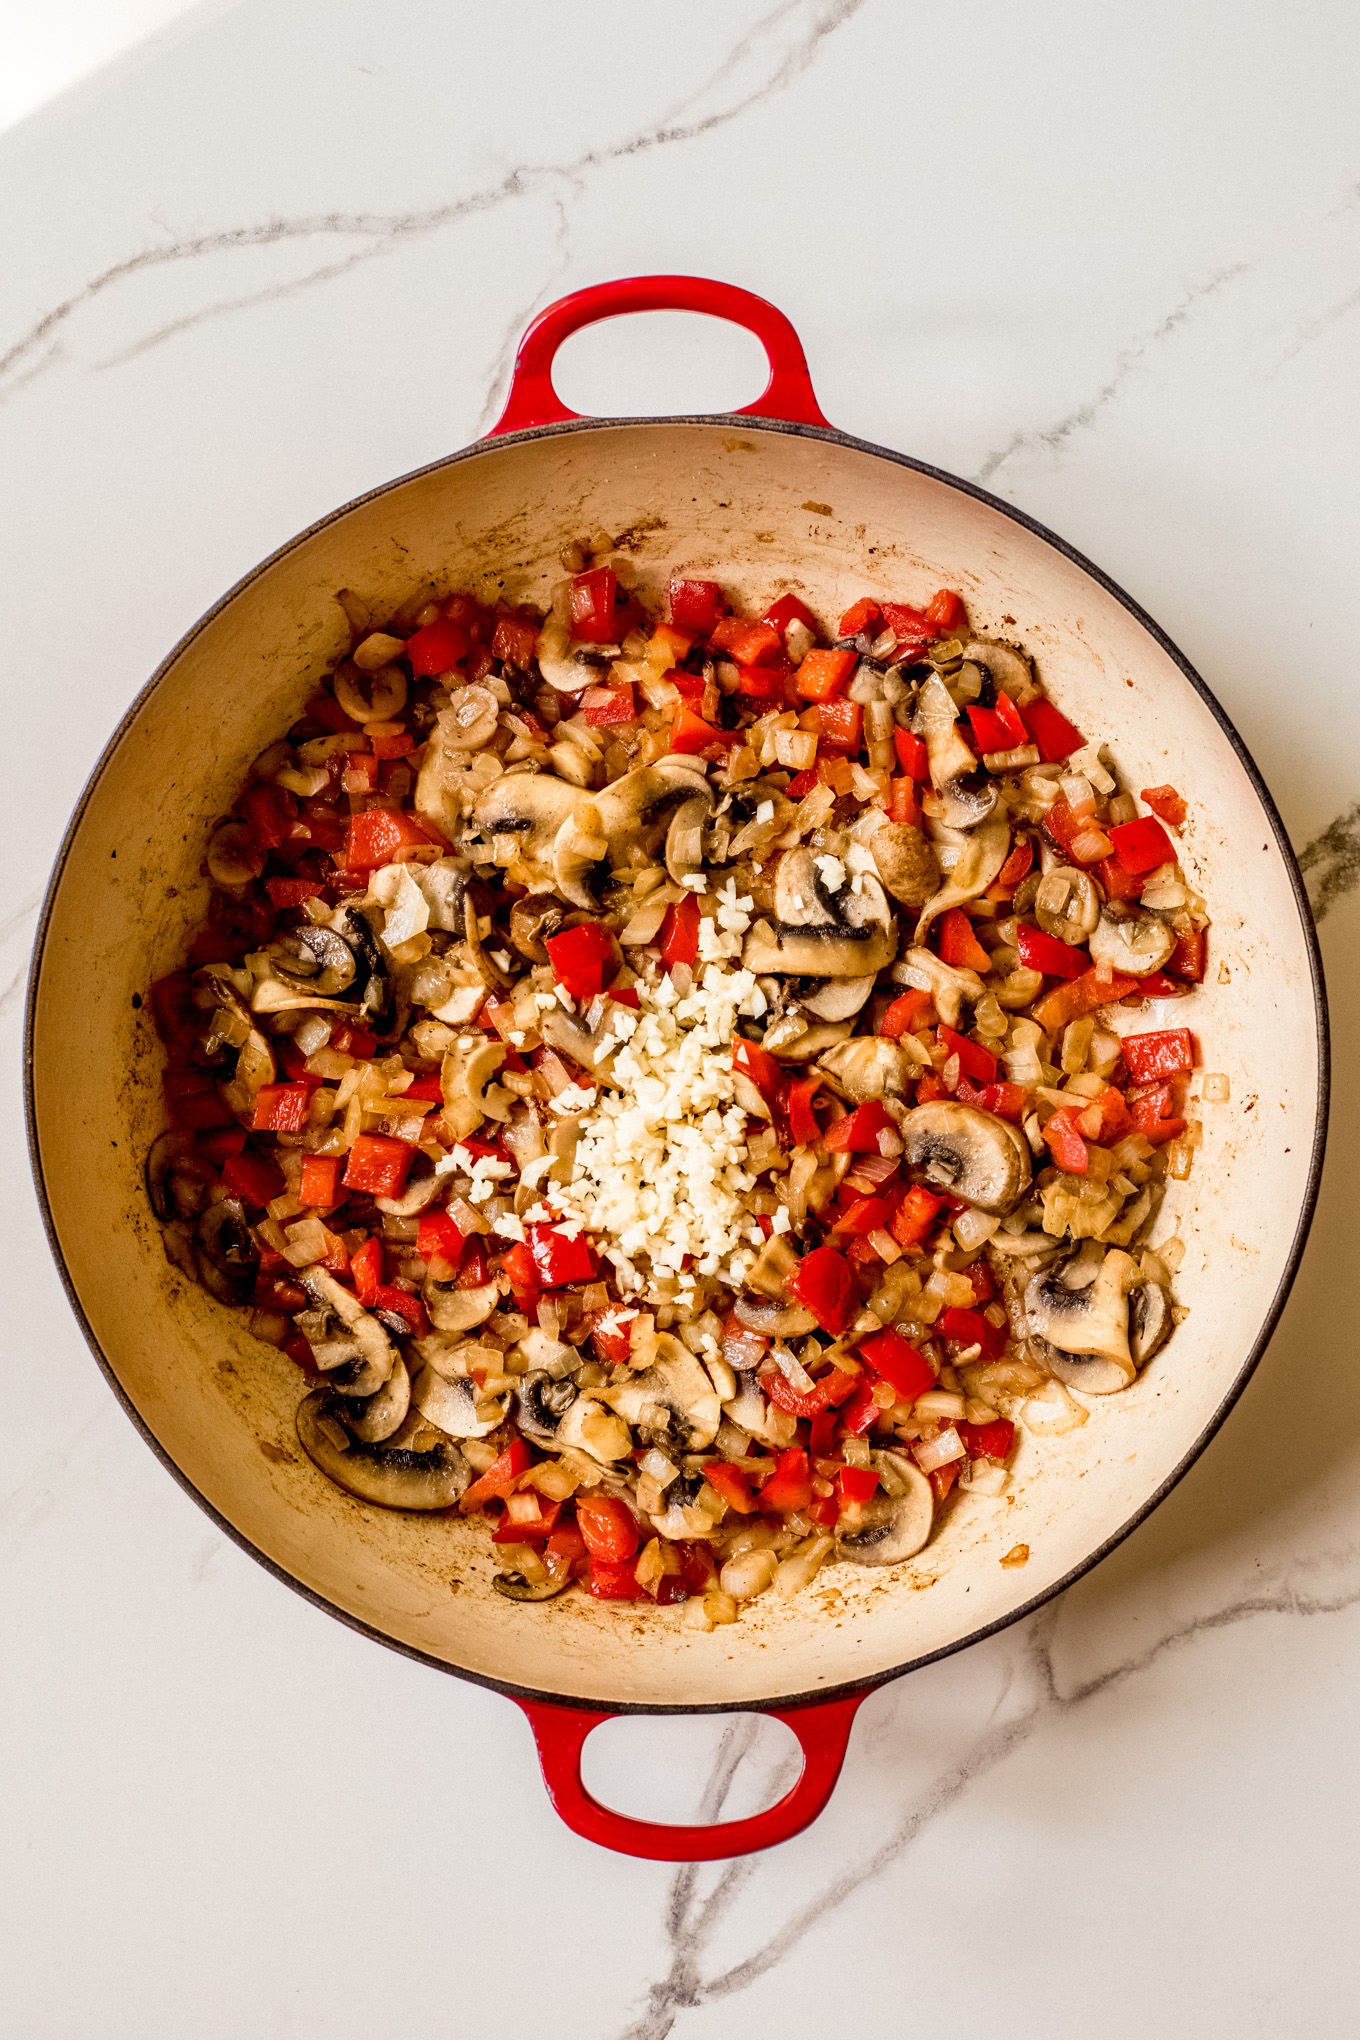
(40, 348)
(690, 1926)
(1314, 328)
(1051, 438)
(1331, 862)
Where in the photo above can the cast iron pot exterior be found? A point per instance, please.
(761, 502)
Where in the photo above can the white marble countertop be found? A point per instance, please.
(1107, 263)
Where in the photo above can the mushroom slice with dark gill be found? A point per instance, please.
(453, 1309)
(225, 1252)
(820, 933)
(314, 959)
(455, 1405)
(980, 854)
(836, 998)
(1139, 945)
(1008, 666)
(516, 1587)
(971, 1153)
(395, 1477)
(773, 1318)
(515, 824)
(892, 1527)
(379, 1415)
(675, 1382)
(540, 1405)
(966, 796)
(346, 1342)
(1150, 1321)
(1078, 1314)
(176, 1183)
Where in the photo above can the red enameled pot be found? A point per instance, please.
(763, 499)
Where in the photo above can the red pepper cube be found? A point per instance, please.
(1066, 1143)
(912, 755)
(514, 640)
(603, 707)
(945, 611)
(903, 1014)
(608, 1526)
(1142, 845)
(797, 1113)
(252, 1177)
(583, 959)
(733, 1485)
(440, 1238)
(858, 1132)
(1165, 803)
(895, 1360)
(1046, 953)
(840, 726)
(971, 1328)
(914, 1217)
(750, 1060)
(558, 1258)
(788, 609)
(679, 932)
(854, 1486)
(592, 606)
(823, 1284)
(690, 733)
(281, 1108)
(822, 674)
(975, 1061)
(862, 616)
(903, 806)
(958, 945)
(500, 1477)
(438, 648)
(1188, 958)
(1055, 736)
(376, 835)
(1165, 1053)
(789, 1487)
(696, 606)
(995, 1440)
(379, 1165)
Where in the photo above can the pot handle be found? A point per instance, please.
(534, 401)
(823, 1729)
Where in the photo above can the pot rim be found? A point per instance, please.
(831, 435)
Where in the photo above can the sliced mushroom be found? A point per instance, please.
(587, 1426)
(465, 1080)
(692, 1510)
(1008, 666)
(232, 857)
(772, 1267)
(488, 970)
(176, 1184)
(1149, 1321)
(580, 861)
(950, 989)
(540, 1405)
(516, 1587)
(837, 999)
(234, 1026)
(1066, 903)
(346, 1341)
(903, 858)
(973, 1154)
(966, 796)
(392, 1476)
(676, 1382)
(568, 673)
(225, 1252)
(867, 1067)
(517, 820)
(384, 696)
(314, 958)
(453, 1309)
(1139, 945)
(444, 884)
(532, 920)
(820, 933)
(773, 1318)
(456, 1406)
(748, 1408)
(982, 852)
(793, 1040)
(580, 1043)
(1078, 1315)
(653, 811)
(892, 1527)
(469, 721)
(380, 1415)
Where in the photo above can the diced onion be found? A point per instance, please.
(931, 1453)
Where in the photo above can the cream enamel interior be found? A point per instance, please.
(762, 508)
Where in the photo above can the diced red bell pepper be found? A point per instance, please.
(522, 1272)
(803, 782)
(861, 616)
(626, 995)
(366, 1270)
(691, 734)
(440, 1237)
(606, 706)
(1106, 1118)
(696, 606)
(1117, 883)
(789, 1487)
(1068, 828)
(499, 1478)
(994, 1440)
(614, 1582)
(291, 892)
(914, 1217)
(760, 1066)
(326, 712)
(854, 1486)
(903, 806)
(390, 743)
(379, 1164)
(903, 1015)
(942, 1478)
(958, 945)
(608, 1526)
(529, 1516)
(895, 1360)
(252, 1177)
(319, 1186)
(376, 835)
(990, 732)
(1151, 1116)
(912, 756)
(198, 1109)
(219, 1142)
(1066, 1143)
(975, 1061)
(1188, 958)
(862, 1216)
(1015, 867)
(558, 1259)
(1055, 736)
(797, 1112)
(281, 1108)
(1142, 845)
(584, 959)
(514, 640)
(612, 1338)
(1046, 953)
(1165, 803)
(840, 725)
(971, 1328)
(732, 1485)
(860, 1410)
(270, 813)
(401, 1303)
(593, 619)
(929, 1088)
(1081, 995)
(907, 624)
(750, 644)
(425, 1090)
(833, 1387)
(857, 1133)
(679, 932)
(788, 609)
(763, 683)
(946, 612)
(822, 674)
(437, 648)
(1006, 1100)
(823, 1284)
(1165, 1053)
(567, 1550)
(355, 1041)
